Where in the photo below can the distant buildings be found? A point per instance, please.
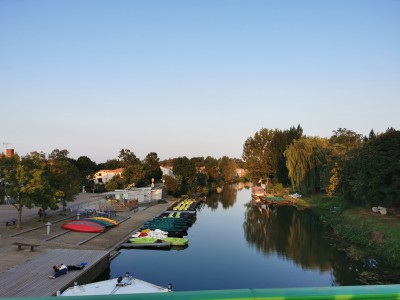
(104, 176)
(9, 153)
(241, 172)
(167, 171)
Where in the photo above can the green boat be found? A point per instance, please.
(176, 241)
(143, 240)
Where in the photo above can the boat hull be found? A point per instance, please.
(176, 241)
(84, 226)
(143, 240)
(128, 285)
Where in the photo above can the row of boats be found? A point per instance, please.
(166, 229)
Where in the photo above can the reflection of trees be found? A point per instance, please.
(363, 269)
(227, 198)
(299, 236)
(294, 234)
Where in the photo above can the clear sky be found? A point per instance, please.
(192, 77)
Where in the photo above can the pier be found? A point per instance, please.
(26, 273)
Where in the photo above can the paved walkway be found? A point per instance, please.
(34, 231)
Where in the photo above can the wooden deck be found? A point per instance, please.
(31, 279)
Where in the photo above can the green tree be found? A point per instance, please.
(172, 184)
(134, 171)
(117, 182)
(86, 168)
(64, 178)
(211, 167)
(23, 181)
(343, 140)
(305, 160)
(152, 167)
(184, 170)
(128, 158)
(371, 175)
(201, 179)
(340, 144)
(198, 162)
(228, 168)
(110, 164)
(257, 154)
(280, 141)
(134, 174)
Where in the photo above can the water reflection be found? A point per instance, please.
(299, 236)
(234, 245)
(226, 197)
(296, 235)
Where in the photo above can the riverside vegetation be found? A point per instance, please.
(371, 233)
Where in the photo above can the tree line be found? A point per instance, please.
(364, 170)
(47, 181)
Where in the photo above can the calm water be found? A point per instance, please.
(234, 245)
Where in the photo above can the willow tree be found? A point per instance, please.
(257, 154)
(305, 160)
(281, 140)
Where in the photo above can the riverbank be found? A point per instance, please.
(377, 234)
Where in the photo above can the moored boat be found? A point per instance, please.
(101, 222)
(143, 240)
(84, 226)
(106, 219)
(176, 241)
(116, 286)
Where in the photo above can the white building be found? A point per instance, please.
(104, 176)
(167, 171)
(143, 195)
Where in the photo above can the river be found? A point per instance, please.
(234, 245)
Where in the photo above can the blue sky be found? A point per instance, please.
(192, 78)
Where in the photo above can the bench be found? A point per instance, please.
(8, 222)
(20, 245)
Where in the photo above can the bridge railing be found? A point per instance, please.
(323, 293)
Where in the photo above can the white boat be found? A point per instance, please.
(116, 286)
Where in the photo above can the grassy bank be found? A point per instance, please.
(376, 233)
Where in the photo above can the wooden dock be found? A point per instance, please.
(31, 279)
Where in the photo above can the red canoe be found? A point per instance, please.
(83, 226)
